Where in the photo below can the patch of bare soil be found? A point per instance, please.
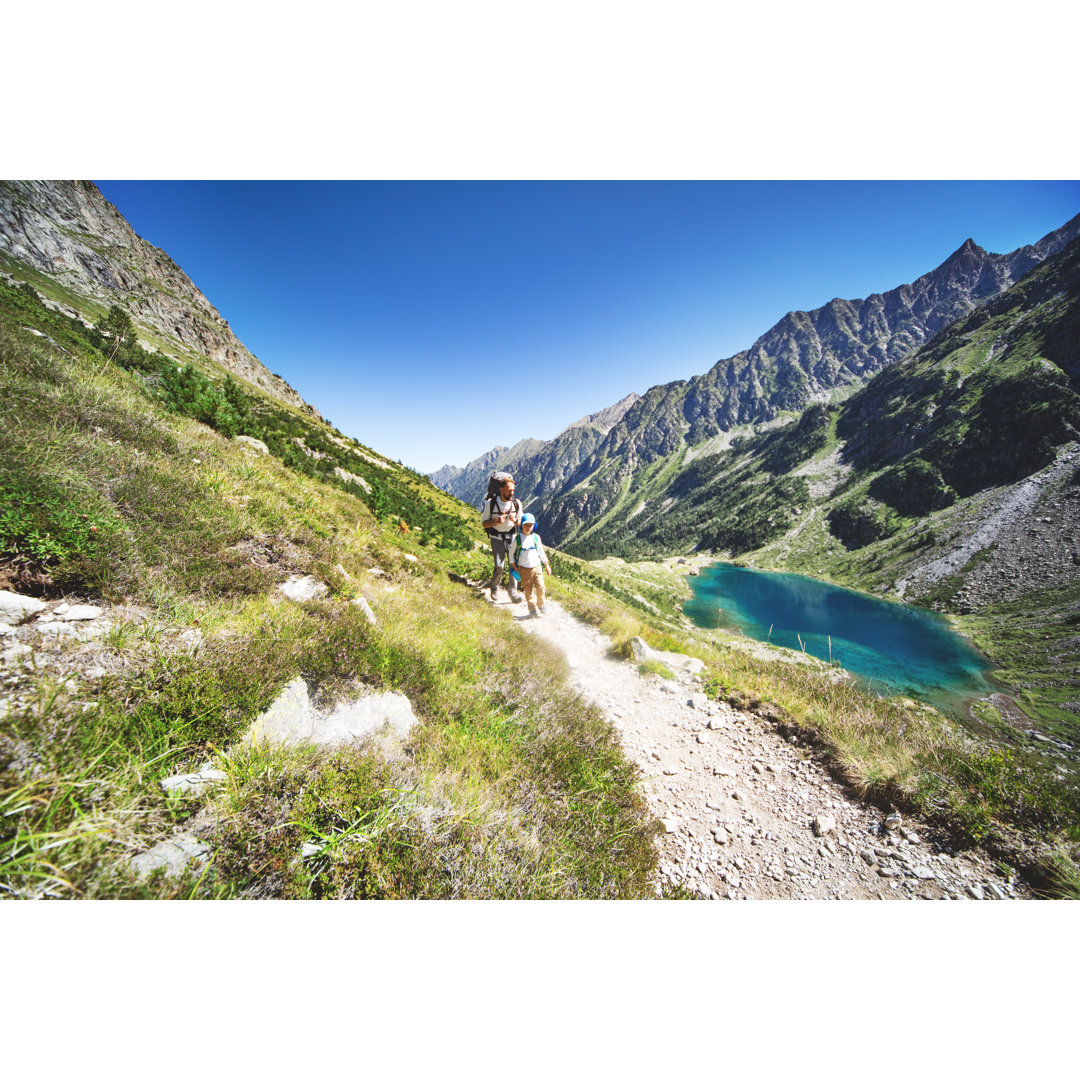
(20, 576)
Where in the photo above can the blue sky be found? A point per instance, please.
(434, 320)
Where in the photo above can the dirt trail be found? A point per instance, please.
(739, 803)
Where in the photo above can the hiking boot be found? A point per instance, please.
(540, 612)
(533, 613)
(515, 596)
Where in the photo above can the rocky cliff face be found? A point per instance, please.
(68, 231)
(806, 357)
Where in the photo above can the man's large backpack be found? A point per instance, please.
(495, 483)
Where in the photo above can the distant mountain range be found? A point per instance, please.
(585, 487)
(539, 468)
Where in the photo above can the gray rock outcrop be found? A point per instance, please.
(172, 856)
(194, 783)
(68, 230)
(252, 443)
(14, 608)
(303, 587)
(292, 719)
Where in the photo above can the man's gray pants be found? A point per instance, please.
(500, 550)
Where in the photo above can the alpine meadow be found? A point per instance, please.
(244, 654)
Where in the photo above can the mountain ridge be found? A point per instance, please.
(805, 356)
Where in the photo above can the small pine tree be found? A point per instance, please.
(118, 328)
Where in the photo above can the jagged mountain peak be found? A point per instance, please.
(607, 418)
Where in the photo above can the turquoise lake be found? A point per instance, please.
(890, 648)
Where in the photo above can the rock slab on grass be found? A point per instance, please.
(303, 588)
(193, 782)
(14, 608)
(80, 612)
(642, 652)
(366, 716)
(365, 607)
(170, 855)
(252, 442)
(291, 720)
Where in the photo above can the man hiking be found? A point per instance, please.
(500, 519)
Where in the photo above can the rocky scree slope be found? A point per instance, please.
(67, 231)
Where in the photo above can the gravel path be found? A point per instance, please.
(742, 807)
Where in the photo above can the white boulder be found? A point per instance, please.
(303, 587)
(676, 661)
(292, 720)
(80, 612)
(253, 443)
(14, 608)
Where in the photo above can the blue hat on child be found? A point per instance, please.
(528, 519)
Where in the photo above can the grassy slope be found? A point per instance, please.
(513, 787)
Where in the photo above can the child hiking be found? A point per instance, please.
(526, 556)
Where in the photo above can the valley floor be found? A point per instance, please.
(739, 803)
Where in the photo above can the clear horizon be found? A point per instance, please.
(436, 320)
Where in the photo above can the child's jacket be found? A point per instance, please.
(527, 551)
